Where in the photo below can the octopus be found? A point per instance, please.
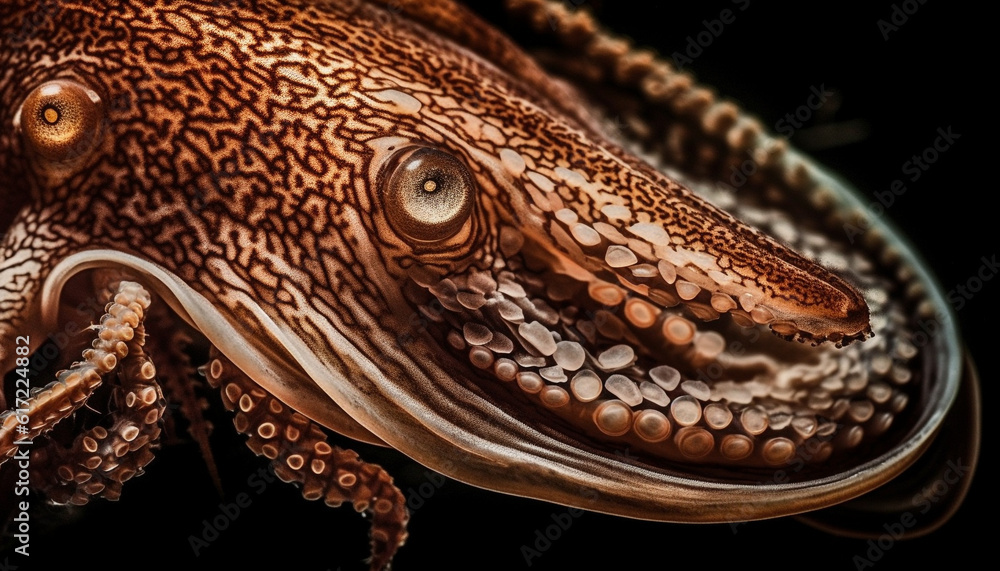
(389, 224)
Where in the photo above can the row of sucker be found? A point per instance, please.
(833, 397)
(100, 460)
(299, 453)
(696, 133)
(648, 261)
(709, 139)
(626, 368)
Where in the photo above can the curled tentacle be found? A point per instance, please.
(299, 452)
(101, 459)
(49, 405)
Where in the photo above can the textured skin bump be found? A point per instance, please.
(584, 302)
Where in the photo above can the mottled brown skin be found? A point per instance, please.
(197, 157)
(248, 151)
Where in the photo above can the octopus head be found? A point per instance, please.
(418, 244)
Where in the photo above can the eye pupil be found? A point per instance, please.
(50, 115)
(427, 193)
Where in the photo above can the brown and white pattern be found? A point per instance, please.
(535, 299)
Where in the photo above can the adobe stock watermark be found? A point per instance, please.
(803, 457)
(696, 45)
(922, 502)
(21, 523)
(32, 23)
(923, 334)
(962, 293)
(392, 10)
(914, 168)
(561, 521)
(899, 15)
(89, 311)
(417, 497)
(925, 330)
(212, 528)
(786, 126)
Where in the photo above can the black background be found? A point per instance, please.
(928, 75)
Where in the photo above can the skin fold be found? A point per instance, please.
(470, 246)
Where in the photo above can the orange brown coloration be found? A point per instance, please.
(393, 223)
(299, 453)
(101, 460)
(119, 335)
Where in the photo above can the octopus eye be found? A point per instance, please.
(60, 120)
(428, 194)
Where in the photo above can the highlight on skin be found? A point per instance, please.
(419, 239)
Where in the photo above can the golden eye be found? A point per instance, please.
(60, 120)
(428, 194)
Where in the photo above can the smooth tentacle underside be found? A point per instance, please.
(396, 224)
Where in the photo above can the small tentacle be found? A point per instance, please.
(49, 405)
(703, 120)
(299, 452)
(100, 460)
(181, 384)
